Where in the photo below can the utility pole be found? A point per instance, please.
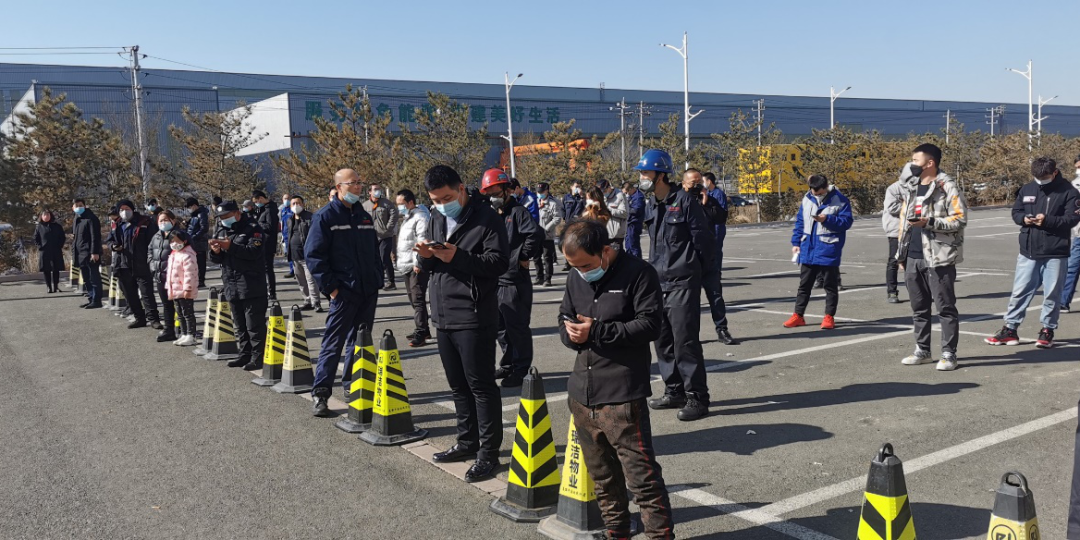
(760, 108)
(136, 90)
(1031, 113)
(643, 111)
(994, 113)
(948, 124)
(365, 120)
(1039, 117)
(510, 122)
(623, 113)
(687, 115)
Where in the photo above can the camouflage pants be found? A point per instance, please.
(616, 443)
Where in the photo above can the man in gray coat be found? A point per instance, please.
(385, 216)
(550, 218)
(890, 221)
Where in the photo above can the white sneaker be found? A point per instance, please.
(178, 340)
(947, 362)
(187, 341)
(918, 357)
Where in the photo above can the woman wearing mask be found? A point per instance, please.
(159, 253)
(596, 209)
(182, 284)
(49, 239)
(296, 230)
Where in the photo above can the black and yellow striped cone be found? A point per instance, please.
(296, 375)
(533, 487)
(391, 421)
(75, 277)
(224, 347)
(1013, 517)
(360, 388)
(886, 511)
(113, 292)
(209, 323)
(578, 514)
(274, 352)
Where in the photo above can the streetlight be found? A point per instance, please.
(832, 112)
(686, 94)
(1031, 115)
(510, 121)
(1040, 117)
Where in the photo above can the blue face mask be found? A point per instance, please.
(451, 209)
(351, 197)
(260, 205)
(79, 210)
(595, 274)
(402, 209)
(228, 222)
(167, 226)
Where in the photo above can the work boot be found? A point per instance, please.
(794, 321)
(894, 298)
(238, 362)
(321, 407)
(668, 401)
(502, 373)
(693, 410)
(828, 323)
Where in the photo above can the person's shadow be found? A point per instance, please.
(853, 393)
(742, 439)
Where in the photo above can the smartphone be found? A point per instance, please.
(566, 318)
(914, 219)
(1029, 216)
(435, 245)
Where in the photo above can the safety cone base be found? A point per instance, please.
(263, 381)
(520, 514)
(283, 388)
(220, 355)
(378, 439)
(555, 528)
(349, 426)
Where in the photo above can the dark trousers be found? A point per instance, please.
(51, 266)
(139, 292)
(168, 311)
(348, 312)
(386, 247)
(186, 308)
(678, 349)
(91, 276)
(808, 274)
(468, 358)
(200, 257)
(515, 316)
(249, 320)
(720, 231)
(633, 239)
(616, 443)
(269, 252)
(927, 286)
(891, 268)
(545, 262)
(714, 294)
(416, 284)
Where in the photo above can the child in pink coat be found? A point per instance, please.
(182, 285)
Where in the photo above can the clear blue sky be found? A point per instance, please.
(949, 50)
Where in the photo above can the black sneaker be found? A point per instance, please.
(290, 275)
(95, 305)
(725, 337)
(307, 307)
(389, 288)
(512, 380)
(1046, 339)
(83, 306)
(164, 336)
(1005, 336)
(238, 362)
(412, 334)
(321, 408)
(137, 324)
(319, 309)
(693, 410)
(252, 366)
(668, 401)
(894, 298)
(418, 341)
(156, 325)
(502, 373)
(547, 283)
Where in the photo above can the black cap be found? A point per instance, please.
(225, 208)
(125, 202)
(602, 184)
(191, 201)
(542, 187)
(152, 201)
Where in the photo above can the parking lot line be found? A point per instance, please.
(757, 517)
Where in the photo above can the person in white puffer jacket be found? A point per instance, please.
(1074, 254)
(414, 224)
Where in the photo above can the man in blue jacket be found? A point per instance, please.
(818, 240)
(198, 230)
(286, 214)
(634, 219)
(342, 252)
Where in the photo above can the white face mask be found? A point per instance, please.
(176, 246)
(1078, 173)
(591, 203)
(296, 208)
(126, 215)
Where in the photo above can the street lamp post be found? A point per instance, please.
(1039, 117)
(1031, 113)
(832, 109)
(510, 121)
(686, 94)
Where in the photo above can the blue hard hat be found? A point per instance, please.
(655, 160)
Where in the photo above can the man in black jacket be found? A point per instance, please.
(1046, 210)
(238, 246)
(682, 249)
(298, 226)
(130, 243)
(525, 239)
(466, 256)
(616, 301)
(267, 217)
(198, 230)
(86, 253)
(694, 184)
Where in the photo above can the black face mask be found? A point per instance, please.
(696, 191)
(915, 170)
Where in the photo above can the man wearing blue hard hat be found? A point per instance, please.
(682, 248)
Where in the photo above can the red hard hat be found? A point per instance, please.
(492, 178)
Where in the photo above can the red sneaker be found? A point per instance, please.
(828, 323)
(795, 320)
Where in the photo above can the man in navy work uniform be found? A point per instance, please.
(238, 246)
(342, 252)
(681, 249)
(634, 219)
(465, 257)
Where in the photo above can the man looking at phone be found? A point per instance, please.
(931, 243)
(1045, 209)
(238, 247)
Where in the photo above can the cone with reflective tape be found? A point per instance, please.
(359, 385)
(296, 375)
(120, 303)
(274, 352)
(391, 420)
(886, 511)
(578, 514)
(209, 323)
(532, 490)
(110, 299)
(1013, 517)
(224, 347)
(74, 276)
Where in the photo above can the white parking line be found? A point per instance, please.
(724, 506)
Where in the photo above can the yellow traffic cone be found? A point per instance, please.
(360, 385)
(113, 292)
(533, 487)
(886, 511)
(1013, 517)
(274, 352)
(224, 347)
(209, 324)
(74, 277)
(296, 375)
(578, 514)
(391, 421)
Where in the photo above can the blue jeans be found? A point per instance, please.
(1070, 277)
(347, 313)
(91, 276)
(1030, 274)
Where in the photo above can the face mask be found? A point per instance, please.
(377, 193)
(228, 222)
(126, 215)
(80, 209)
(351, 197)
(167, 226)
(497, 202)
(451, 209)
(541, 196)
(696, 191)
(646, 186)
(591, 203)
(176, 246)
(1078, 173)
(1043, 182)
(594, 274)
(259, 205)
(151, 208)
(576, 191)
(402, 209)
(296, 208)
(915, 170)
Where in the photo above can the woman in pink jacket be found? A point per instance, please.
(182, 284)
